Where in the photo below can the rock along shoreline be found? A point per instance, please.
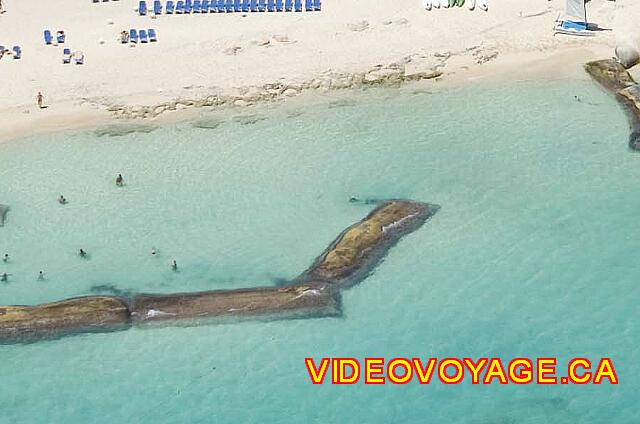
(617, 80)
(315, 293)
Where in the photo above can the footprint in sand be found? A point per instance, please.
(262, 43)
(358, 26)
(232, 51)
(284, 39)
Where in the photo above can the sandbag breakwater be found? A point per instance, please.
(359, 248)
(617, 80)
(77, 315)
(351, 257)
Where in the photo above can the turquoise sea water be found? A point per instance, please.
(532, 254)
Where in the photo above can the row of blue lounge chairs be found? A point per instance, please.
(17, 51)
(228, 6)
(48, 38)
(78, 57)
(144, 36)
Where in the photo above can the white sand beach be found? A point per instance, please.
(234, 54)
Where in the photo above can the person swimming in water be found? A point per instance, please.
(4, 277)
(62, 200)
(82, 253)
(153, 251)
(119, 180)
(174, 265)
(41, 276)
(5, 258)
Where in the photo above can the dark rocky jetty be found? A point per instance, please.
(280, 302)
(348, 260)
(617, 80)
(82, 314)
(359, 248)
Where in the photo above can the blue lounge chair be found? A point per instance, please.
(188, 6)
(180, 7)
(221, 8)
(574, 26)
(142, 8)
(229, 6)
(316, 5)
(213, 6)
(308, 5)
(143, 36)
(152, 35)
(47, 37)
(205, 6)
(133, 36)
(237, 5)
(170, 8)
(271, 5)
(288, 5)
(197, 6)
(17, 52)
(298, 5)
(60, 37)
(254, 5)
(157, 7)
(79, 58)
(279, 7)
(66, 56)
(262, 5)
(245, 6)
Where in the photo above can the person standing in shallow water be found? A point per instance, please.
(40, 100)
(119, 180)
(174, 265)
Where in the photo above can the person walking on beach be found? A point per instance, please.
(1, 8)
(39, 97)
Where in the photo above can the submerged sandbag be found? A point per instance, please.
(359, 248)
(3, 212)
(81, 314)
(634, 140)
(299, 300)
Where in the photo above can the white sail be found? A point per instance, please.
(576, 11)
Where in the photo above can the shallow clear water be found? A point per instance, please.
(532, 254)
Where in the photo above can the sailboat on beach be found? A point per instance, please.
(574, 21)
